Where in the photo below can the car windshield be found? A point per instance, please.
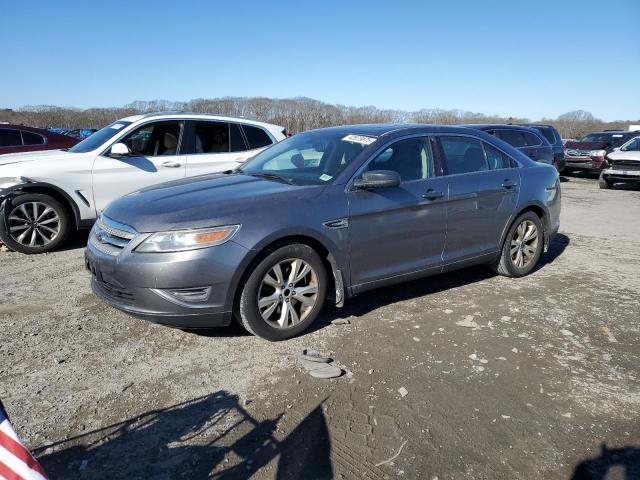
(98, 138)
(615, 139)
(312, 158)
(632, 145)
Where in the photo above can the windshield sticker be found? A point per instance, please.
(117, 126)
(616, 136)
(364, 140)
(325, 178)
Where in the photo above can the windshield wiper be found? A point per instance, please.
(270, 176)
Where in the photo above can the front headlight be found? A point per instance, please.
(6, 182)
(597, 153)
(181, 240)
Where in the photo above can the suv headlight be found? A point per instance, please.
(181, 240)
(597, 153)
(6, 182)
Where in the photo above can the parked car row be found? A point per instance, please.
(19, 138)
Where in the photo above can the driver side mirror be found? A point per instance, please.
(377, 179)
(119, 150)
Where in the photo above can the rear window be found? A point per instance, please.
(532, 139)
(10, 137)
(463, 155)
(515, 138)
(30, 138)
(548, 134)
(237, 141)
(256, 137)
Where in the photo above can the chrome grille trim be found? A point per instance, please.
(111, 237)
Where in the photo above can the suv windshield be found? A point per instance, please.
(615, 139)
(98, 138)
(313, 158)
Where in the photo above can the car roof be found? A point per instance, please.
(195, 116)
(488, 126)
(608, 132)
(24, 127)
(380, 129)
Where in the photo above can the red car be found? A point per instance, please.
(18, 138)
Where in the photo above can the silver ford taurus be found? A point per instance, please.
(322, 216)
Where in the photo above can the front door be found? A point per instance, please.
(155, 158)
(398, 230)
(483, 188)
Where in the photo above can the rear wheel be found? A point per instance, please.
(522, 248)
(604, 182)
(284, 293)
(34, 223)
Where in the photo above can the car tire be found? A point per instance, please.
(34, 223)
(514, 261)
(269, 304)
(604, 183)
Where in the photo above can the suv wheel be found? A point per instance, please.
(284, 293)
(34, 223)
(522, 248)
(604, 182)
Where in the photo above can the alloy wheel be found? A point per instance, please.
(34, 224)
(524, 244)
(288, 293)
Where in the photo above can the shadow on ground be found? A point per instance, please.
(208, 437)
(612, 463)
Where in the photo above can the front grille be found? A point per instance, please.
(625, 165)
(118, 294)
(111, 237)
(578, 153)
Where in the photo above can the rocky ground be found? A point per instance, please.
(462, 376)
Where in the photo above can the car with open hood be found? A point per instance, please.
(323, 215)
(623, 165)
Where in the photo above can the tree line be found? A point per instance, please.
(296, 114)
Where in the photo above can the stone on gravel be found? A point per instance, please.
(340, 321)
(468, 322)
(314, 356)
(403, 392)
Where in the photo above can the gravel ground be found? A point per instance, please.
(462, 376)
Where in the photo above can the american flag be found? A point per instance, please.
(16, 463)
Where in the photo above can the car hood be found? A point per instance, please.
(586, 145)
(47, 155)
(206, 201)
(626, 157)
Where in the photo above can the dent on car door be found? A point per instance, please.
(483, 187)
(155, 157)
(398, 230)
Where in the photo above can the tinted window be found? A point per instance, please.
(10, 137)
(211, 137)
(155, 139)
(256, 137)
(463, 155)
(496, 158)
(632, 146)
(237, 140)
(411, 158)
(548, 134)
(30, 138)
(531, 139)
(515, 138)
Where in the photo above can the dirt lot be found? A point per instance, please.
(530, 378)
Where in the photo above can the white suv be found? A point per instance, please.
(44, 195)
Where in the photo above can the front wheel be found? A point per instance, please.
(284, 293)
(522, 248)
(34, 223)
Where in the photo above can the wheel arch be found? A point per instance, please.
(540, 211)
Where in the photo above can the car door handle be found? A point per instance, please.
(509, 184)
(431, 194)
(171, 164)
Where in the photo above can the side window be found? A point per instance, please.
(463, 155)
(411, 158)
(549, 134)
(512, 137)
(211, 137)
(256, 137)
(496, 158)
(237, 141)
(155, 139)
(531, 139)
(633, 146)
(10, 137)
(30, 138)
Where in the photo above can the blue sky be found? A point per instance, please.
(513, 58)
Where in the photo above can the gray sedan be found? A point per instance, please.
(322, 216)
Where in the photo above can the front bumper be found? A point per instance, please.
(145, 284)
(588, 164)
(621, 174)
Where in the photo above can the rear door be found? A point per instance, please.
(398, 230)
(155, 158)
(483, 193)
(214, 146)
(537, 148)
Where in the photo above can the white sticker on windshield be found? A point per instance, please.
(616, 136)
(325, 178)
(363, 139)
(117, 126)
